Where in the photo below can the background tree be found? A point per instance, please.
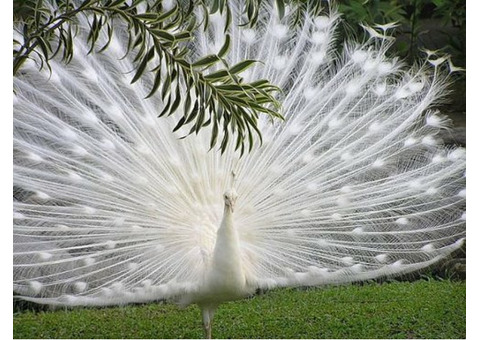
(158, 30)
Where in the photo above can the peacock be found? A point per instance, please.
(111, 207)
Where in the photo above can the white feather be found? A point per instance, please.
(116, 209)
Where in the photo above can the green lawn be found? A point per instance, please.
(422, 309)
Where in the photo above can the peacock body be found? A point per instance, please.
(111, 207)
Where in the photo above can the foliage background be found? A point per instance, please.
(221, 99)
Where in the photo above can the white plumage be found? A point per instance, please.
(112, 208)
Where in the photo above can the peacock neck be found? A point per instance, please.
(227, 236)
(227, 220)
(226, 266)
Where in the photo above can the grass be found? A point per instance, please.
(421, 309)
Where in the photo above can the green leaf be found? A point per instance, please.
(200, 119)
(222, 5)
(179, 124)
(252, 13)
(241, 66)
(147, 16)
(182, 53)
(117, 3)
(213, 138)
(156, 82)
(182, 62)
(176, 102)
(239, 141)
(280, 8)
(192, 24)
(163, 35)
(250, 139)
(207, 123)
(174, 23)
(253, 124)
(166, 85)
(206, 61)
(228, 20)
(38, 12)
(166, 108)
(182, 36)
(109, 38)
(259, 83)
(188, 102)
(218, 75)
(18, 62)
(44, 46)
(230, 88)
(68, 45)
(143, 64)
(86, 3)
(167, 14)
(223, 145)
(193, 113)
(215, 6)
(205, 17)
(226, 45)
(93, 34)
(141, 50)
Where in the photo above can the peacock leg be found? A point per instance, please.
(211, 312)
(208, 330)
(207, 322)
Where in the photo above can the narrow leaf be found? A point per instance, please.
(166, 108)
(193, 113)
(182, 62)
(187, 104)
(215, 6)
(217, 75)
(156, 83)
(176, 102)
(280, 8)
(230, 87)
(44, 47)
(182, 36)
(228, 20)
(241, 66)
(166, 85)
(239, 141)
(167, 14)
(109, 38)
(147, 16)
(226, 45)
(224, 144)
(213, 138)
(206, 61)
(143, 64)
(200, 119)
(179, 124)
(163, 35)
(17, 63)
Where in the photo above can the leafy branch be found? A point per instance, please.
(158, 37)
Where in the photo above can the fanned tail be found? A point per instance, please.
(356, 184)
(111, 207)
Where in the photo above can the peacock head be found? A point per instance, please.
(230, 197)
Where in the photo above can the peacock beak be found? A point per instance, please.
(231, 203)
